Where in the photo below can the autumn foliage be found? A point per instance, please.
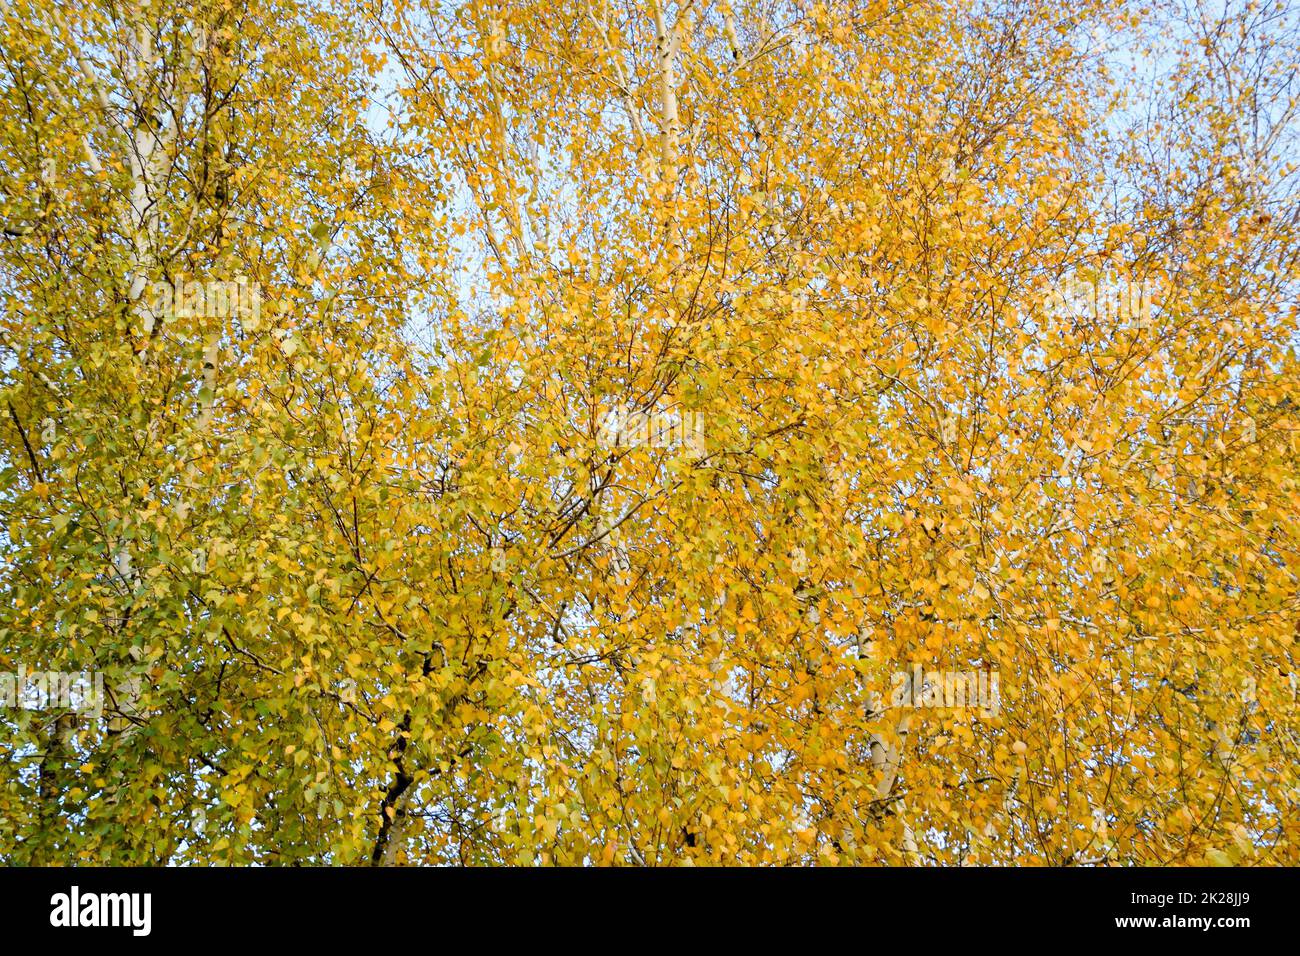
(943, 337)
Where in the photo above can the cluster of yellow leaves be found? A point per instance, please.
(392, 595)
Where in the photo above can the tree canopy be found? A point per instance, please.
(502, 432)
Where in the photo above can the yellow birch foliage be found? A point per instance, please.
(650, 433)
